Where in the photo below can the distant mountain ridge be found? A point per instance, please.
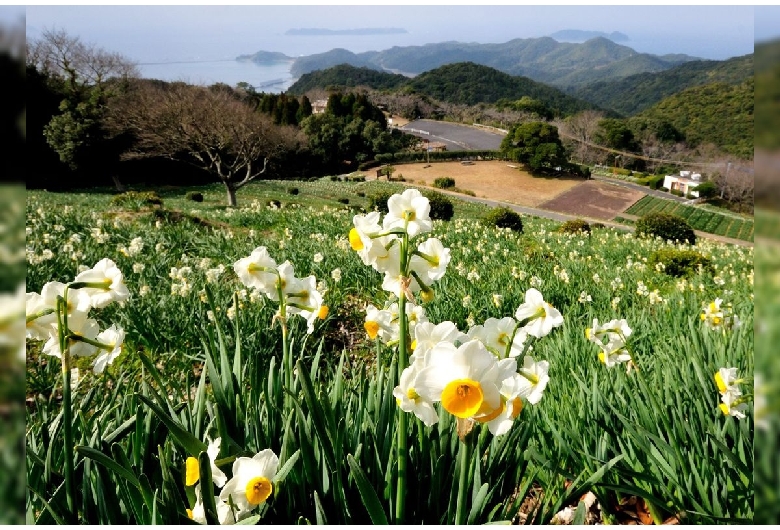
(459, 83)
(578, 35)
(561, 64)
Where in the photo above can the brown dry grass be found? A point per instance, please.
(491, 180)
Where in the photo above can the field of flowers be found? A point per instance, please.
(252, 365)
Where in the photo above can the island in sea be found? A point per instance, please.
(263, 57)
(356, 31)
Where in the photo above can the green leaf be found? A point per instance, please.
(318, 417)
(282, 473)
(189, 443)
(579, 514)
(319, 513)
(207, 488)
(250, 520)
(478, 504)
(370, 499)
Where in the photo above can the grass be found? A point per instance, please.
(710, 220)
(189, 368)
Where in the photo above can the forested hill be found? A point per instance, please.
(347, 76)
(633, 94)
(717, 113)
(469, 84)
(460, 83)
(561, 64)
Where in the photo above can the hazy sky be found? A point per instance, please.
(149, 33)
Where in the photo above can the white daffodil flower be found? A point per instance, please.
(106, 284)
(410, 211)
(536, 374)
(192, 467)
(78, 324)
(726, 379)
(541, 317)
(496, 335)
(113, 338)
(431, 260)
(252, 481)
(409, 400)
(466, 380)
(258, 271)
(427, 335)
(733, 404)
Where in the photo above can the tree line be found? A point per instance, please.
(93, 121)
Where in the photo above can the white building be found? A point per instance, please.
(683, 183)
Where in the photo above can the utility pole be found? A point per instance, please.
(725, 180)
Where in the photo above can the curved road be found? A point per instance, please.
(455, 136)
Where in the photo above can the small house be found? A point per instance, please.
(684, 183)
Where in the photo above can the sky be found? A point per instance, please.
(208, 32)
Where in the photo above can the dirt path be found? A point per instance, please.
(490, 180)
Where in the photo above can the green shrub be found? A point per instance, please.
(623, 172)
(664, 188)
(574, 226)
(334, 178)
(195, 196)
(677, 262)
(293, 191)
(656, 181)
(666, 226)
(677, 193)
(378, 201)
(444, 182)
(707, 190)
(441, 206)
(360, 193)
(504, 218)
(343, 200)
(598, 225)
(137, 199)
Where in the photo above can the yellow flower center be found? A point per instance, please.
(414, 344)
(602, 357)
(323, 312)
(189, 513)
(413, 395)
(372, 328)
(724, 408)
(713, 307)
(409, 215)
(503, 339)
(517, 407)
(720, 382)
(492, 415)
(258, 490)
(587, 333)
(716, 321)
(427, 295)
(192, 471)
(354, 240)
(462, 398)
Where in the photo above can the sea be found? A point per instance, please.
(269, 78)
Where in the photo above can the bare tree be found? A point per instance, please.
(206, 128)
(582, 128)
(58, 54)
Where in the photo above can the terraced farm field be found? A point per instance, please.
(700, 219)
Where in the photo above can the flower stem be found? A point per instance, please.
(67, 407)
(464, 453)
(403, 357)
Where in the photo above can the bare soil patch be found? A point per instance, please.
(491, 180)
(594, 199)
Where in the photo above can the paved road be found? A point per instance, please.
(455, 136)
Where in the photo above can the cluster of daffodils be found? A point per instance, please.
(295, 296)
(59, 315)
(383, 247)
(475, 376)
(251, 485)
(384, 323)
(717, 315)
(732, 401)
(611, 338)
